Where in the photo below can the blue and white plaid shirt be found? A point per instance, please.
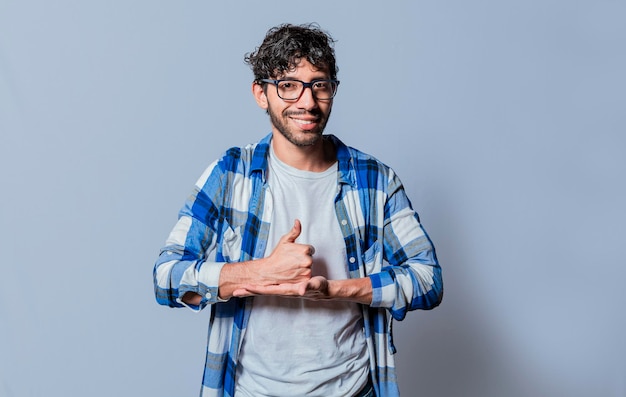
(227, 218)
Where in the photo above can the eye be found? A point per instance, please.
(321, 85)
(288, 85)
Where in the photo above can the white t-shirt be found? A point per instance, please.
(300, 347)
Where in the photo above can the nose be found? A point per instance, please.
(306, 99)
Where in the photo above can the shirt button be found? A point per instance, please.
(344, 222)
(352, 259)
(208, 295)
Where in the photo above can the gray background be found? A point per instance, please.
(504, 119)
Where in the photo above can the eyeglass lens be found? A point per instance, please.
(292, 89)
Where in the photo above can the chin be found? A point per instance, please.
(303, 139)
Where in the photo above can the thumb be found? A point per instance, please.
(293, 234)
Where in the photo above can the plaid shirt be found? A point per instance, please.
(227, 218)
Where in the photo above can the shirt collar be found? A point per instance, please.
(260, 155)
(345, 166)
(346, 173)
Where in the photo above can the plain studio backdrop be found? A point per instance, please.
(504, 119)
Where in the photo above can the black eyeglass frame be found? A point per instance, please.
(304, 86)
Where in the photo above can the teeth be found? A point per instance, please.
(303, 121)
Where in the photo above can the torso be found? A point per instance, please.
(297, 346)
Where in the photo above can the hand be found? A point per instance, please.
(289, 262)
(316, 288)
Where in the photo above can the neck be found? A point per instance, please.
(315, 158)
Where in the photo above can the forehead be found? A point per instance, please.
(302, 67)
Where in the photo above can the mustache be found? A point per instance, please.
(315, 113)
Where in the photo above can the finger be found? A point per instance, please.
(286, 289)
(242, 292)
(293, 234)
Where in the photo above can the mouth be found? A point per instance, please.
(304, 122)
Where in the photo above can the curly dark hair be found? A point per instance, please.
(285, 45)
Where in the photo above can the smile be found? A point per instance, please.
(304, 122)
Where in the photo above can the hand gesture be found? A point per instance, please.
(289, 262)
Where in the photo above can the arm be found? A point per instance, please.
(357, 290)
(188, 264)
(410, 280)
(289, 264)
(195, 269)
(182, 269)
(410, 277)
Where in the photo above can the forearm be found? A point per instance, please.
(232, 277)
(238, 274)
(357, 290)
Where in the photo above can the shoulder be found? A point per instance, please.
(349, 153)
(364, 166)
(235, 157)
(245, 158)
(236, 161)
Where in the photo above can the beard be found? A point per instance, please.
(298, 138)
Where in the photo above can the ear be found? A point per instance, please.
(259, 95)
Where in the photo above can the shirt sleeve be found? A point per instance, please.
(187, 261)
(410, 277)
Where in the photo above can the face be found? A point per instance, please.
(300, 122)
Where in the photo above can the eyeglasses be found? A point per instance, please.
(291, 90)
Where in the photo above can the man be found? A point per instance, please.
(302, 248)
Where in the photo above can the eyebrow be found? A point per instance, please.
(315, 79)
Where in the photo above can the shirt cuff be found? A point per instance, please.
(383, 288)
(203, 282)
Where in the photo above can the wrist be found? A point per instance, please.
(236, 275)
